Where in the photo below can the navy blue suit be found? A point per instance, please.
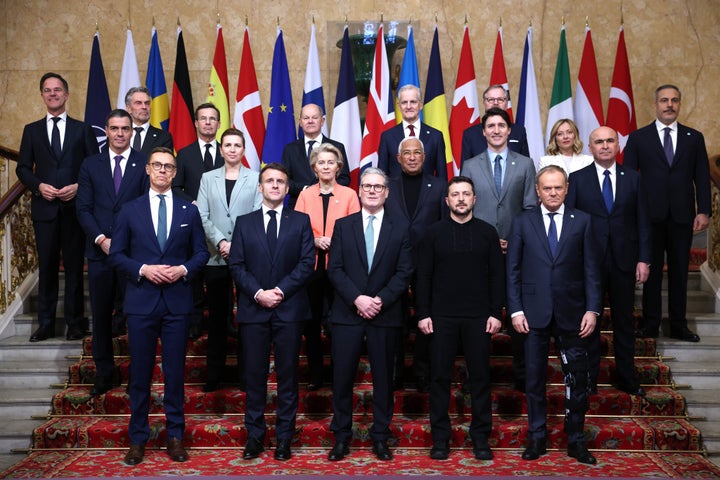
(253, 268)
(623, 238)
(388, 279)
(554, 294)
(157, 311)
(474, 142)
(155, 137)
(98, 207)
(433, 143)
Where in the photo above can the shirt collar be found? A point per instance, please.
(155, 193)
(601, 170)
(560, 211)
(661, 126)
(378, 215)
(266, 209)
(49, 117)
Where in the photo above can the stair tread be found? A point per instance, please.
(706, 341)
(18, 426)
(25, 394)
(36, 366)
(705, 396)
(58, 342)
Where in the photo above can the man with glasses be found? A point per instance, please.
(473, 141)
(370, 266)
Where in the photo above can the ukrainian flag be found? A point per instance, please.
(155, 81)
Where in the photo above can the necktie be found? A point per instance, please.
(607, 193)
(271, 231)
(668, 146)
(370, 240)
(497, 175)
(137, 141)
(552, 234)
(208, 162)
(55, 140)
(117, 173)
(162, 222)
(310, 148)
(412, 130)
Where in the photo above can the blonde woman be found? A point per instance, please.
(565, 147)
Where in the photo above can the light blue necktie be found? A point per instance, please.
(370, 240)
(552, 234)
(607, 191)
(162, 222)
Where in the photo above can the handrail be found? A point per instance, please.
(17, 190)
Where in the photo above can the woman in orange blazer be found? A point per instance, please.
(324, 202)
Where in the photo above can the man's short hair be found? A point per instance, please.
(496, 112)
(273, 166)
(402, 142)
(667, 85)
(374, 171)
(493, 87)
(135, 90)
(460, 179)
(207, 105)
(117, 113)
(551, 168)
(53, 75)
(405, 88)
(161, 150)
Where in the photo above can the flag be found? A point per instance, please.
(498, 76)
(97, 104)
(281, 117)
(379, 115)
(588, 109)
(218, 85)
(621, 105)
(435, 107)
(129, 75)
(182, 112)
(408, 72)
(313, 90)
(465, 108)
(346, 114)
(248, 109)
(528, 103)
(561, 99)
(155, 82)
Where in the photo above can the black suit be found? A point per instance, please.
(154, 137)
(433, 143)
(190, 169)
(388, 278)
(474, 142)
(672, 192)
(55, 222)
(623, 238)
(295, 159)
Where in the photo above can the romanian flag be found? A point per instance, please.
(155, 82)
(218, 85)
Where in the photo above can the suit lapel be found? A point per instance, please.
(510, 171)
(359, 233)
(259, 228)
(383, 239)
(132, 170)
(484, 165)
(538, 225)
(178, 217)
(218, 184)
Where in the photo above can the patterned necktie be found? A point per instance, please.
(137, 141)
(607, 192)
(117, 173)
(552, 234)
(271, 231)
(310, 148)
(208, 162)
(55, 140)
(497, 174)
(412, 130)
(668, 146)
(370, 241)
(162, 223)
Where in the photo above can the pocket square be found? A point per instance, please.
(184, 225)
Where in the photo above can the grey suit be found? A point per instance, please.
(517, 194)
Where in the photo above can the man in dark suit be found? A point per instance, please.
(51, 152)
(158, 246)
(419, 199)
(272, 255)
(410, 103)
(473, 140)
(106, 182)
(553, 289)
(296, 154)
(614, 198)
(370, 266)
(675, 174)
(145, 136)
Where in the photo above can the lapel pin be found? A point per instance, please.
(184, 207)
(132, 164)
(572, 216)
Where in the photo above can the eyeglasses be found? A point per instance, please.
(366, 187)
(168, 167)
(495, 99)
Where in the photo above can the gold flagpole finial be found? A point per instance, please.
(97, 27)
(313, 19)
(218, 18)
(382, 19)
(178, 20)
(587, 22)
(278, 21)
(153, 21)
(436, 19)
(345, 19)
(466, 19)
(530, 25)
(563, 20)
(246, 20)
(500, 22)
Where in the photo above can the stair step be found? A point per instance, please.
(18, 348)
(702, 402)
(697, 301)
(711, 437)
(24, 373)
(707, 349)
(15, 434)
(26, 323)
(700, 374)
(23, 403)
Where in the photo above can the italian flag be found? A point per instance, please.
(561, 100)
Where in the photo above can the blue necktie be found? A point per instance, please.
(552, 234)
(55, 139)
(497, 175)
(271, 231)
(162, 223)
(607, 193)
(668, 146)
(370, 240)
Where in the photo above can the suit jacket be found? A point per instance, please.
(431, 206)
(135, 244)
(389, 277)
(432, 140)
(218, 219)
(517, 194)
(542, 287)
(625, 231)
(190, 169)
(672, 191)
(253, 268)
(295, 159)
(98, 206)
(38, 164)
(474, 143)
(156, 138)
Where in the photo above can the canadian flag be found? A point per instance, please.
(498, 76)
(621, 105)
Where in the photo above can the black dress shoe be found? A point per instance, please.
(75, 333)
(685, 335)
(440, 451)
(381, 451)
(176, 451)
(580, 452)
(635, 390)
(42, 333)
(135, 454)
(101, 385)
(313, 386)
(482, 453)
(592, 389)
(338, 451)
(646, 332)
(534, 449)
(210, 387)
(253, 448)
(282, 451)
